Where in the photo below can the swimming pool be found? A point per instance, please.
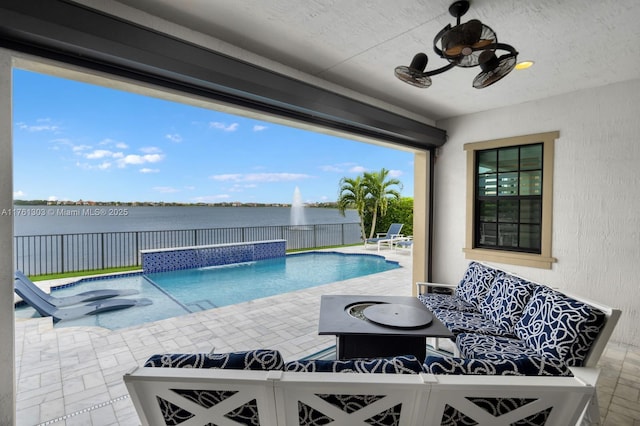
(185, 291)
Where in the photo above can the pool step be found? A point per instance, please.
(201, 305)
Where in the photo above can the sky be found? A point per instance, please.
(76, 141)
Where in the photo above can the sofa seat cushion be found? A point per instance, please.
(259, 359)
(468, 322)
(482, 346)
(476, 282)
(405, 364)
(444, 301)
(557, 326)
(506, 299)
(523, 366)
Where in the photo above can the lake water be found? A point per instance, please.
(44, 220)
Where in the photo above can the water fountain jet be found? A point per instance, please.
(298, 219)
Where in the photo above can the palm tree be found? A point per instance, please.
(353, 194)
(379, 190)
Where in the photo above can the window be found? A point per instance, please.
(509, 200)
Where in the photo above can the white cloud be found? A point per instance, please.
(261, 177)
(114, 143)
(103, 153)
(150, 150)
(139, 159)
(18, 193)
(357, 169)
(395, 173)
(165, 189)
(231, 177)
(211, 198)
(240, 188)
(79, 148)
(259, 128)
(52, 198)
(174, 137)
(148, 170)
(223, 126)
(42, 125)
(89, 166)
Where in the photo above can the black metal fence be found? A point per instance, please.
(59, 253)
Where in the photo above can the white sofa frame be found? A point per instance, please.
(423, 397)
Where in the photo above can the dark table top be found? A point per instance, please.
(335, 318)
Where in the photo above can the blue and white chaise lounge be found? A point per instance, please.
(385, 237)
(46, 309)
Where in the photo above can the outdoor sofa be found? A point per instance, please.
(258, 388)
(521, 364)
(496, 315)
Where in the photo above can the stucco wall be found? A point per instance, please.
(596, 196)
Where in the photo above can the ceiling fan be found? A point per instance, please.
(464, 45)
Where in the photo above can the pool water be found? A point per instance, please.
(186, 291)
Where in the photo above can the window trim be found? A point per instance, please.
(544, 260)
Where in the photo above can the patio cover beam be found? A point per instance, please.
(76, 34)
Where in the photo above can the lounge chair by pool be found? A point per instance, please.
(87, 296)
(46, 309)
(386, 237)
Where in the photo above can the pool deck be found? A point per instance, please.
(73, 376)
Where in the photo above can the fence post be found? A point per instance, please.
(136, 248)
(61, 254)
(103, 248)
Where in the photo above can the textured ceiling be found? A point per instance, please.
(575, 44)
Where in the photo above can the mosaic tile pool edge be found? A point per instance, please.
(178, 258)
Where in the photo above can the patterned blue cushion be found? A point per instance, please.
(583, 344)
(482, 346)
(558, 326)
(259, 359)
(405, 364)
(474, 285)
(444, 301)
(523, 366)
(468, 322)
(506, 299)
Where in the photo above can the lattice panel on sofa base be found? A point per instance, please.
(463, 400)
(231, 399)
(241, 411)
(345, 409)
(316, 399)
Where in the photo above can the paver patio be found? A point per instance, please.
(73, 376)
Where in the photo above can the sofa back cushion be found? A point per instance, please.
(474, 285)
(259, 359)
(558, 326)
(523, 366)
(506, 299)
(405, 364)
